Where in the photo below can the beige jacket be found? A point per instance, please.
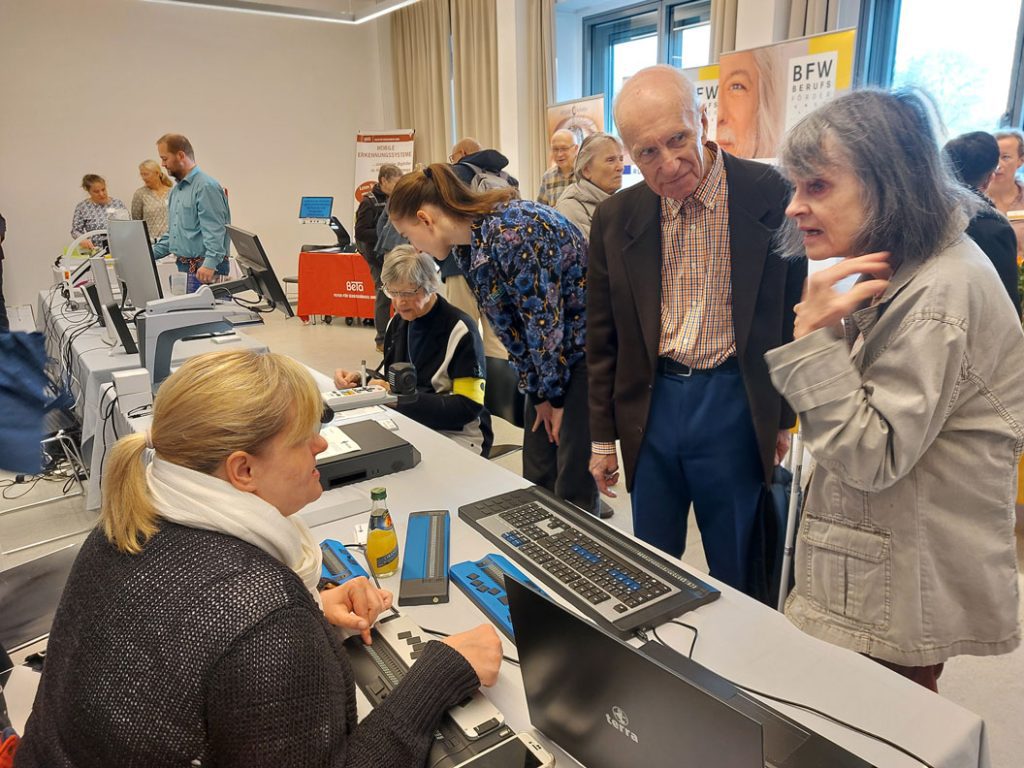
(906, 546)
(578, 203)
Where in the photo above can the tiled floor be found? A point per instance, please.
(993, 686)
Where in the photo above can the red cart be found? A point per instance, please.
(335, 285)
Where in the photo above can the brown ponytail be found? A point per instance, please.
(438, 185)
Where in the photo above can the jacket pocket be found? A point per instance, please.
(848, 571)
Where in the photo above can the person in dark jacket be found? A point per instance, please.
(443, 344)
(4, 323)
(370, 209)
(191, 630)
(973, 158)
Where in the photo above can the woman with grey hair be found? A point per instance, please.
(907, 387)
(598, 176)
(444, 345)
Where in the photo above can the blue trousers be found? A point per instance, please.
(700, 447)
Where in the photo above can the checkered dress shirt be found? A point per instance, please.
(696, 274)
(552, 185)
(696, 277)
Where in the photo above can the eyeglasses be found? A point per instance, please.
(402, 294)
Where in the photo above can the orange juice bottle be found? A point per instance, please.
(381, 541)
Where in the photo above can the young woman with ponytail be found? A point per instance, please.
(191, 631)
(527, 266)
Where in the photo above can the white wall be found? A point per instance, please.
(271, 106)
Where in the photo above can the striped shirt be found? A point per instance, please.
(696, 274)
(696, 277)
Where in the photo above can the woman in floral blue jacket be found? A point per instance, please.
(527, 266)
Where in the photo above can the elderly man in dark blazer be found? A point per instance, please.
(685, 294)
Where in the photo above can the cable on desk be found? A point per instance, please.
(690, 627)
(509, 659)
(837, 721)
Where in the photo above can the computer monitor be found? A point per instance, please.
(132, 252)
(316, 208)
(260, 275)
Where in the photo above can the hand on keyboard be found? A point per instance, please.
(481, 647)
(355, 605)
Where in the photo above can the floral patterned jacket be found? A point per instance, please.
(527, 265)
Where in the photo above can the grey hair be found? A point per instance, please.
(914, 205)
(404, 264)
(589, 149)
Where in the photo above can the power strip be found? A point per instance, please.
(356, 397)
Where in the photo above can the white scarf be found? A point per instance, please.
(198, 500)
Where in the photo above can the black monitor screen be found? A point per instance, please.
(133, 260)
(254, 261)
(316, 207)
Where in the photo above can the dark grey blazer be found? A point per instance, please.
(624, 306)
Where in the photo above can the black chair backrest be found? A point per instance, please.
(501, 395)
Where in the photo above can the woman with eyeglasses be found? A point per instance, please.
(444, 345)
(527, 266)
(599, 166)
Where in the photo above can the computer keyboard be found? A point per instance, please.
(613, 580)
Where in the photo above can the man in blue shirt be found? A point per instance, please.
(197, 215)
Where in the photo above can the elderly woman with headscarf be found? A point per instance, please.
(908, 390)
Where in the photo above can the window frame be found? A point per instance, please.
(663, 30)
(878, 34)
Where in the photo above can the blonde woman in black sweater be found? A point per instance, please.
(191, 632)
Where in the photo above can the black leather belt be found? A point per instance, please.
(670, 367)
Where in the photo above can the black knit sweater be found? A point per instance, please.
(205, 650)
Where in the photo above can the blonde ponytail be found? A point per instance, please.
(128, 515)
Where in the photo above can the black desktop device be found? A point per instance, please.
(611, 578)
(381, 452)
(260, 275)
(609, 705)
(472, 726)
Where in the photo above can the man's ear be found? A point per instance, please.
(238, 470)
(704, 121)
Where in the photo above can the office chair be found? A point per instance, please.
(503, 399)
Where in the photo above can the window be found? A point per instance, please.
(620, 43)
(689, 35)
(971, 67)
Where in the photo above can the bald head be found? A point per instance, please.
(463, 147)
(664, 130)
(564, 147)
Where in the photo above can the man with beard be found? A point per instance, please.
(198, 215)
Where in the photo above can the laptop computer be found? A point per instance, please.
(609, 704)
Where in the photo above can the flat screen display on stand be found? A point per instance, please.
(260, 275)
(316, 208)
(132, 252)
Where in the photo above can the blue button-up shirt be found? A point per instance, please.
(197, 214)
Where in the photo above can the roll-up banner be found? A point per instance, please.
(377, 148)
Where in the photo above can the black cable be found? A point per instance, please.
(509, 659)
(690, 627)
(103, 433)
(835, 720)
(806, 708)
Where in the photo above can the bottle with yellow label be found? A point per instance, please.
(381, 541)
